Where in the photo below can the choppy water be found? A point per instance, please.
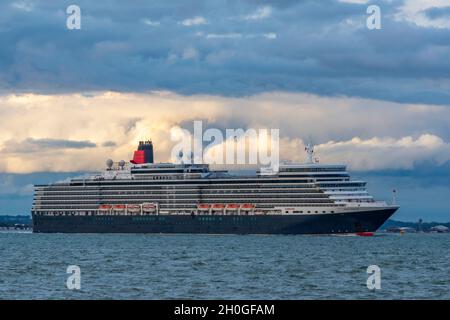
(33, 266)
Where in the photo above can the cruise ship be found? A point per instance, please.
(141, 196)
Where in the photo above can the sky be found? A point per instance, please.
(376, 100)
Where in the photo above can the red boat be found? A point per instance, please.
(365, 234)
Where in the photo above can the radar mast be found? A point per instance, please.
(310, 153)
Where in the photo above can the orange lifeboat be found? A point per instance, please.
(232, 206)
(203, 206)
(133, 208)
(247, 206)
(104, 207)
(119, 207)
(148, 207)
(218, 206)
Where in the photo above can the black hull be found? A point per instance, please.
(350, 222)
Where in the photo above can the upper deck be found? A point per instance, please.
(184, 187)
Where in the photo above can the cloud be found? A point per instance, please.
(355, 1)
(381, 153)
(322, 48)
(30, 145)
(270, 35)
(260, 13)
(8, 186)
(109, 144)
(366, 134)
(196, 21)
(23, 5)
(432, 13)
(16, 190)
(224, 36)
(190, 53)
(151, 23)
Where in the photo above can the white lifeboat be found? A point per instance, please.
(134, 208)
(149, 207)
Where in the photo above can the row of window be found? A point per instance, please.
(312, 169)
(179, 186)
(187, 182)
(190, 197)
(175, 202)
(182, 192)
(316, 211)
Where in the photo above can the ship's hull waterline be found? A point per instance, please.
(335, 223)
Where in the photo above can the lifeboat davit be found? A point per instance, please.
(218, 206)
(232, 206)
(133, 208)
(203, 206)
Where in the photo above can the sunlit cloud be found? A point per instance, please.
(382, 153)
(79, 132)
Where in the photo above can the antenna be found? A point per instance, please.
(180, 156)
(310, 152)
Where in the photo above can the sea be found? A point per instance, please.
(154, 266)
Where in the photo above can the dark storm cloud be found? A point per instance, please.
(37, 145)
(320, 47)
(109, 144)
(16, 190)
(425, 174)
